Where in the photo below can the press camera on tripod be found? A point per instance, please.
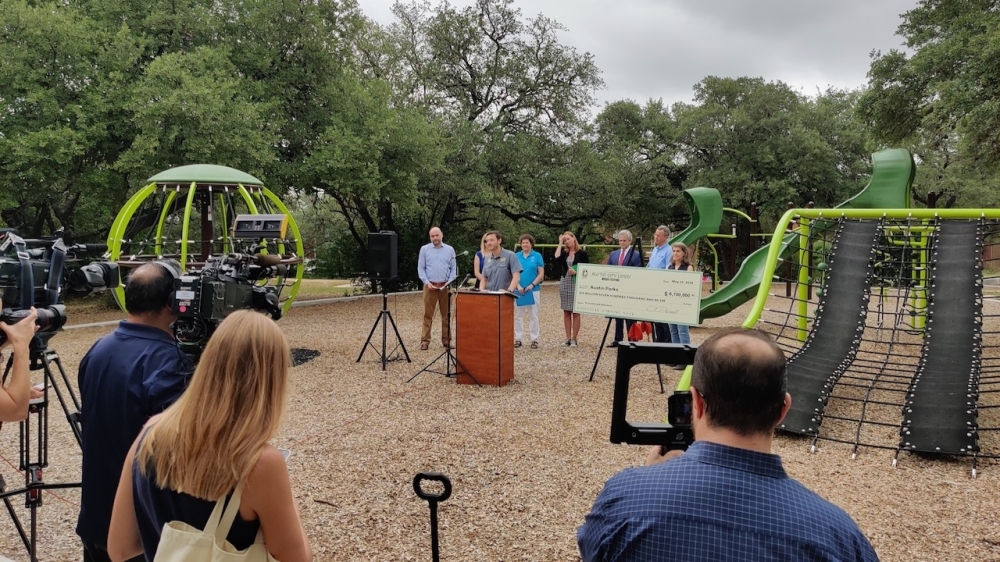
(233, 281)
(677, 433)
(22, 262)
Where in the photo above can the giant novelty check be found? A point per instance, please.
(638, 293)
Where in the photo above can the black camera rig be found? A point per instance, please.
(20, 266)
(228, 283)
(203, 299)
(677, 433)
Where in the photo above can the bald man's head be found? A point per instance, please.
(148, 288)
(740, 374)
(436, 236)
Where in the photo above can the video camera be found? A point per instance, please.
(677, 433)
(230, 282)
(20, 266)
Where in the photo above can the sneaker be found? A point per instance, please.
(572, 343)
(534, 344)
(517, 343)
(568, 342)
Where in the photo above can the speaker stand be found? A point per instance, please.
(385, 318)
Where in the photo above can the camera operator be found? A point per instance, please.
(727, 497)
(135, 372)
(15, 396)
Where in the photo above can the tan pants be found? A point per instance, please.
(434, 298)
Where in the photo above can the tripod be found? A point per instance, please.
(33, 461)
(449, 357)
(384, 316)
(600, 350)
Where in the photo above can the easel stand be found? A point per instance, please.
(385, 318)
(600, 350)
(447, 354)
(32, 461)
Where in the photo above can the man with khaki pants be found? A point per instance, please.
(437, 269)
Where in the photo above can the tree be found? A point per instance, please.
(940, 99)
(758, 141)
(61, 130)
(193, 108)
(496, 83)
(642, 143)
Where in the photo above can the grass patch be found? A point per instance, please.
(329, 288)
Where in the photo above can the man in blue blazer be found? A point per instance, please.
(626, 256)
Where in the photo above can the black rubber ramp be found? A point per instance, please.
(836, 333)
(940, 412)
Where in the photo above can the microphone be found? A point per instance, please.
(467, 275)
(266, 260)
(465, 253)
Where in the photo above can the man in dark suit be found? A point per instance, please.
(626, 256)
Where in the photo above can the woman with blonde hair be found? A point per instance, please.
(479, 262)
(213, 442)
(568, 255)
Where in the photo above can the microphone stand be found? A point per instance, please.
(449, 357)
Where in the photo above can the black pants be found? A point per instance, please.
(661, 333)
(620, 330)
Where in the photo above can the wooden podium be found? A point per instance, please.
(484, 338)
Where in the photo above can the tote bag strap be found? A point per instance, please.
(223, 525)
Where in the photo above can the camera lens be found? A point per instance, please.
(51, 318)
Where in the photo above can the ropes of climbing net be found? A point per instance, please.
(869, 400)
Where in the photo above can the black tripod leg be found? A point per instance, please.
(659, 373)
(398, 338)
(385, 328)
(14, 518)
(600, 349)
(369, 340)
(73, 417)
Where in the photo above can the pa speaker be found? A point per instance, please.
(382, 249)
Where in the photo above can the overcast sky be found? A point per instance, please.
(649, 49)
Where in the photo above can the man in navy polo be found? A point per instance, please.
(126, 377)
(727, 497)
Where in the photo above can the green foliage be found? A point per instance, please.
(754, 141)
(195, 108)
(939, 99)
(60, 91)
(470, 118)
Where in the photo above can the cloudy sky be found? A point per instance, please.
(648, 49)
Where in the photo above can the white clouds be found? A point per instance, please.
(661, 48)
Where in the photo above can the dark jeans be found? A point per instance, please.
(661, 333)
(621, 334)
(95, 553)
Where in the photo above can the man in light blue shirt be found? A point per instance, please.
(436, 268)
(659, 258)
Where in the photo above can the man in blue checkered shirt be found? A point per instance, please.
(727, 497)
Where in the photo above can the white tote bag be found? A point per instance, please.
(180, 542)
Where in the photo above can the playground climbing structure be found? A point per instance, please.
(891, 328)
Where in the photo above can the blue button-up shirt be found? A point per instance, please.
(125, 378)
(436, 264)
(659, 257)
(717, 503)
